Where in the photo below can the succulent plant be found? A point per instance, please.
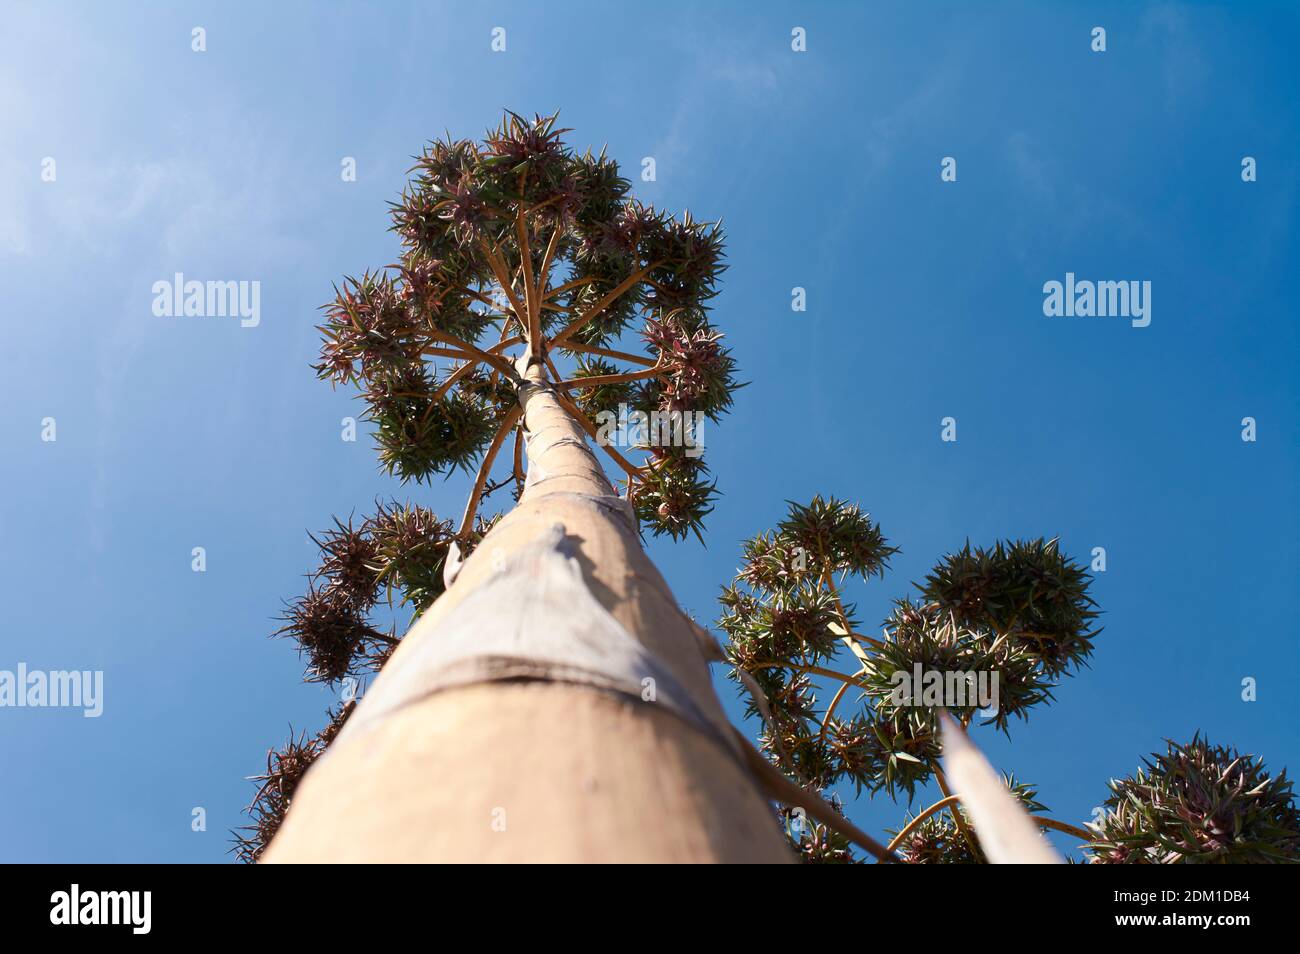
(485, 227)
(400, 548)
(1024, 590)
(285, 768)
(1199, 803)
(1020, 610)
(936, 839)
(785, 611)
(519, 257)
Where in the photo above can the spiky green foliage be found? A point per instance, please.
(938, 841)
(1018, 610)
(674, 495)
(836, 537)
(417, 435)
(484, 225)
(1199, 803)
(813, 842)
(785, 614)
(939, 642)
(602, 398)
(1025, 590)
(512, 246)
(285, 769)
(790, 629)
(785, 619)
(400, 549)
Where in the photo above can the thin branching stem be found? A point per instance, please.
(574, 326)
(446, 386)
(493, 359)
(1061, 826)
(938, 806)
(790, 793)
(609, 353)
(598, 380)
(551, 369)
(480, 479)
(530, 290)
(830, 710)
(568, 286)
(445, 352)
(544, 273)
(957, 818)
(498, 266)
(810, 670)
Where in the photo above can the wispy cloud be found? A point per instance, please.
(1182, 65)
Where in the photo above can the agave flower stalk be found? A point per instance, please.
(509, 724)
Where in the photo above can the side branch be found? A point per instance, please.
(567, 286)
(830, 710)
(609, 353)
(787, 792)
(810, 670)
(502, 345)
(938, 806)
(446, 353)
(470, 363)
(597, 380)
(604, 303)
(1061, 826)
(545, 272)
(957, 817)
(952, 801)
(471, 350)
(480, 480)
(530, 290)
(452, 378)
(498, 266)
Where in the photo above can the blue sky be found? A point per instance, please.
(924, 301)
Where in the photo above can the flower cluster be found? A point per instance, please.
(285, 768)
(785, 621)
(1026, 591)
(400, 548)
(937, 839)
(1199, 803)
(1020, 610)
(700, 373)
(515, 237)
